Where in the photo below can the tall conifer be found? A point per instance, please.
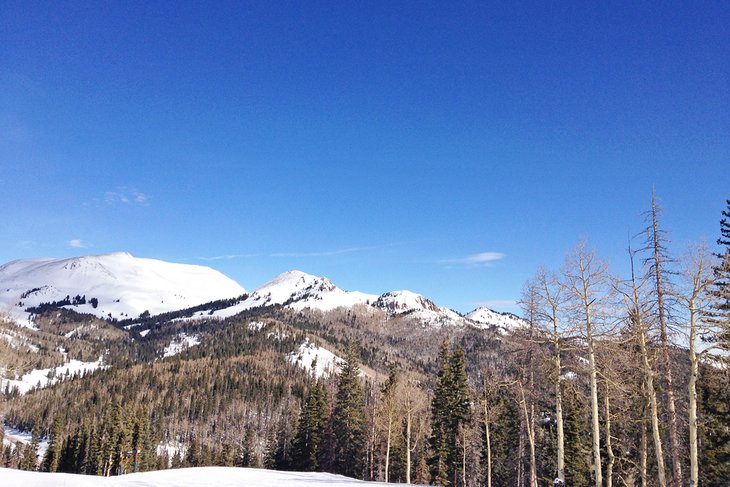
(348, 420)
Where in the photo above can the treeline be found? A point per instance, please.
(77, 300)
(147, 321)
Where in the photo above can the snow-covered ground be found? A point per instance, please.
(182, 342)
(185, 477)
(48, 377)
(18, 341)
(125, 286)
(327, 362)
(13, 436)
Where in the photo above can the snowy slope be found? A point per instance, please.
(125, 286)
(417, 307)
(198, 477)
(13, 437)
(485, 317)
(48, 377)
(326, 361)
(299, 290)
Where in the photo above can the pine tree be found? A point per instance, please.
(577, 450)
(306, 444)
(714, 405)
(348, 421)
(720, 291)
(439, 440)
(450, 411)
(55, 445)
(247, 455)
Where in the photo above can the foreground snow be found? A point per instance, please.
(203, 476)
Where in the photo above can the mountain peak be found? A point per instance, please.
(123, 285)
(300, 290)
(404, 301)
(487, 317)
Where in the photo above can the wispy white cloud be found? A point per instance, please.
(324, 253)
(78, 244)
(126, 197)
(480, 259)
(229, 257)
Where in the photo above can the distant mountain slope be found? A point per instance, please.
(417, 307)
(301, 291)
(487, 317)
(123, 285)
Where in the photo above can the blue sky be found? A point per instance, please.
(447, 149)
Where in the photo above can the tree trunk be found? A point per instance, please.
(521, 458)
(609, 448)
(559, 405)
(648, 382)
(387, 449)
(643, 447)
(489, 442)
(659, 288)
(530, 438)
(594, 413)
(463, 458)
(408, 446)
(693, 458)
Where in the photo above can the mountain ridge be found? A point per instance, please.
(127, 287)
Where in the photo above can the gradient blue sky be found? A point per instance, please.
(384, 145)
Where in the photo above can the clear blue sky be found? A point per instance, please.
(386, 146)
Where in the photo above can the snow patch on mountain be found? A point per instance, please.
(180, 343)
(313, 357)
(485, 317)
(15, 437)
(18, 341)
(47, 377)
(125, 286)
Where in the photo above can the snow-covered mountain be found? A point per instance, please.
(297, 290)
(487, 317)
(417, 307)
(120, 285)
